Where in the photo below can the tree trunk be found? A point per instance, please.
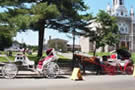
(94, 53)
(103, 48)
(40, 40)
(73, 51)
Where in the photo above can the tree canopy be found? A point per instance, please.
(5, 38)
(103, 30)
(40, 14)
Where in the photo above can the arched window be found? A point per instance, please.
(121, 2)
(113, 2)
(121, 13)
(123, 28)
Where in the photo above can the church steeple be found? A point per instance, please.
(121, 2)
(114, 2)
(132, 11)
(117, 3)
(119, 8)
(108, 8)
(132, 14)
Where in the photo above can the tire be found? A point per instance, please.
(51, 70)
(9, 71)
(129, 70)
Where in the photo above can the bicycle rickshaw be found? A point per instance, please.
(120, 62)
(46, 66)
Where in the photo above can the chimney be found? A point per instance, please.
(50, 37)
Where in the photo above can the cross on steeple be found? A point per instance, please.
(119, 8)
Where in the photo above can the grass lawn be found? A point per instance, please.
(61, 59)
(32, 57)
(133, 57)
(4, 59)
(100, 53)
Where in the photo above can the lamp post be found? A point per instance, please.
(73, 49)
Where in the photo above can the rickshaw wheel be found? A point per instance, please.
(51, 70)
(129, 69)
(9, 71)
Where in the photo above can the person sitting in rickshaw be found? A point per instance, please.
(51, 56)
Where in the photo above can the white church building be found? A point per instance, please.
(126, 26)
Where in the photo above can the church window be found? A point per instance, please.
(121, 2)
(122, 30)
(126, 30)
(113, 2)
(120, 24)
(121, 13)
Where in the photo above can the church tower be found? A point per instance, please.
(109, 10)
(117, 3)
(125, 22)
(119, 8)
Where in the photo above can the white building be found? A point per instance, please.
(15, 47)
(126, 25)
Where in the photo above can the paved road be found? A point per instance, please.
(91, 82)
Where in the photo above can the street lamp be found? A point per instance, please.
(73, 49)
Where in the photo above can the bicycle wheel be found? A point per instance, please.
(129, 69)
(9, 71)
(51, 70)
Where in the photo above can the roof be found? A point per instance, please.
(76, 46)
(60, 39)
(93, 25)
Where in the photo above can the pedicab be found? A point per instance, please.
(46, 66)
(119, 62)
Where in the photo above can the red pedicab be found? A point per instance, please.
(119, 62)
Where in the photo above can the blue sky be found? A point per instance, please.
(31, 37)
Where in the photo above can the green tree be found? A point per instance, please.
(105, 32)
(40, 14)
(6, 32)
(5, 39)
